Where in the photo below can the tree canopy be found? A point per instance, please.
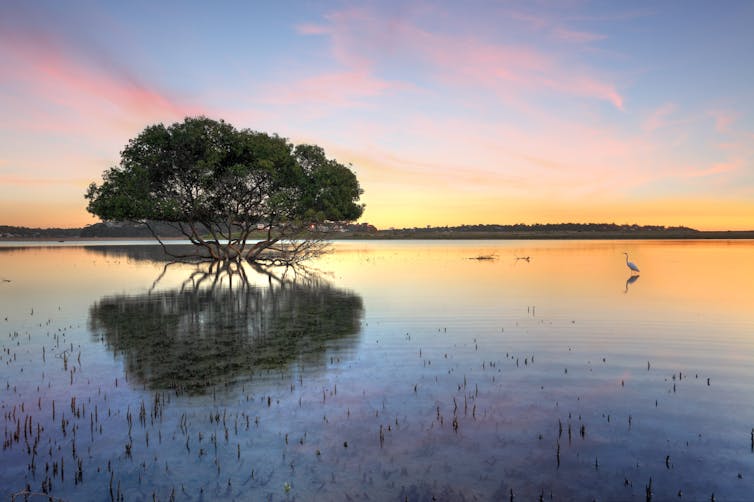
(219, 186)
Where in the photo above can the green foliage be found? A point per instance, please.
(331, 187)
(206, 174)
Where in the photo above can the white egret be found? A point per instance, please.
(631, 264)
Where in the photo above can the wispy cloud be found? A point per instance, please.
(338, 89)
(311, 29)
(533, 21)
(368, 40)
(72, 89)
(580, 37)
(659, 117)
(475, 155)
(724, 119)
(714, 169)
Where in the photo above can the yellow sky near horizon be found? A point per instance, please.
(407, 209)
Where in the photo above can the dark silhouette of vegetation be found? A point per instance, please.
(554, 227)
(221, 187)
(333, 231)
(553, 231)
(7, 231)
(118, 229)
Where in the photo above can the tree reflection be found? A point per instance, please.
(141, 252)
(219, 328)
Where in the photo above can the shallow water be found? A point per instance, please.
(399, 370)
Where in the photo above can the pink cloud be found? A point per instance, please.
(518, 69)
(553, 26)
(65, 89)
(658, 118)
(562, 160)
(723, 120)
(341, 35)
(363, 40)
(535, 22)
(579, 37)
(589, 87)
(714, 169)
(346, 88)
(312, 29)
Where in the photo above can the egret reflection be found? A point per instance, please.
(631, 279)
(209, 332)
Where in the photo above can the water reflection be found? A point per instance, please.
(631, 279)
(453, 388)
(219, 327)
(141, 252)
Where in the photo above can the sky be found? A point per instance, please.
(449, 112)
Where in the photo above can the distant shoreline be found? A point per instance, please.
(454, 235)
(354, 231)
(555, 235)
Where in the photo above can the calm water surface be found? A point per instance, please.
(391, 370)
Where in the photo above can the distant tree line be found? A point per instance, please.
(554, 227)
(127, 229)
(115, 229)
(10, 232)
(110, 229)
